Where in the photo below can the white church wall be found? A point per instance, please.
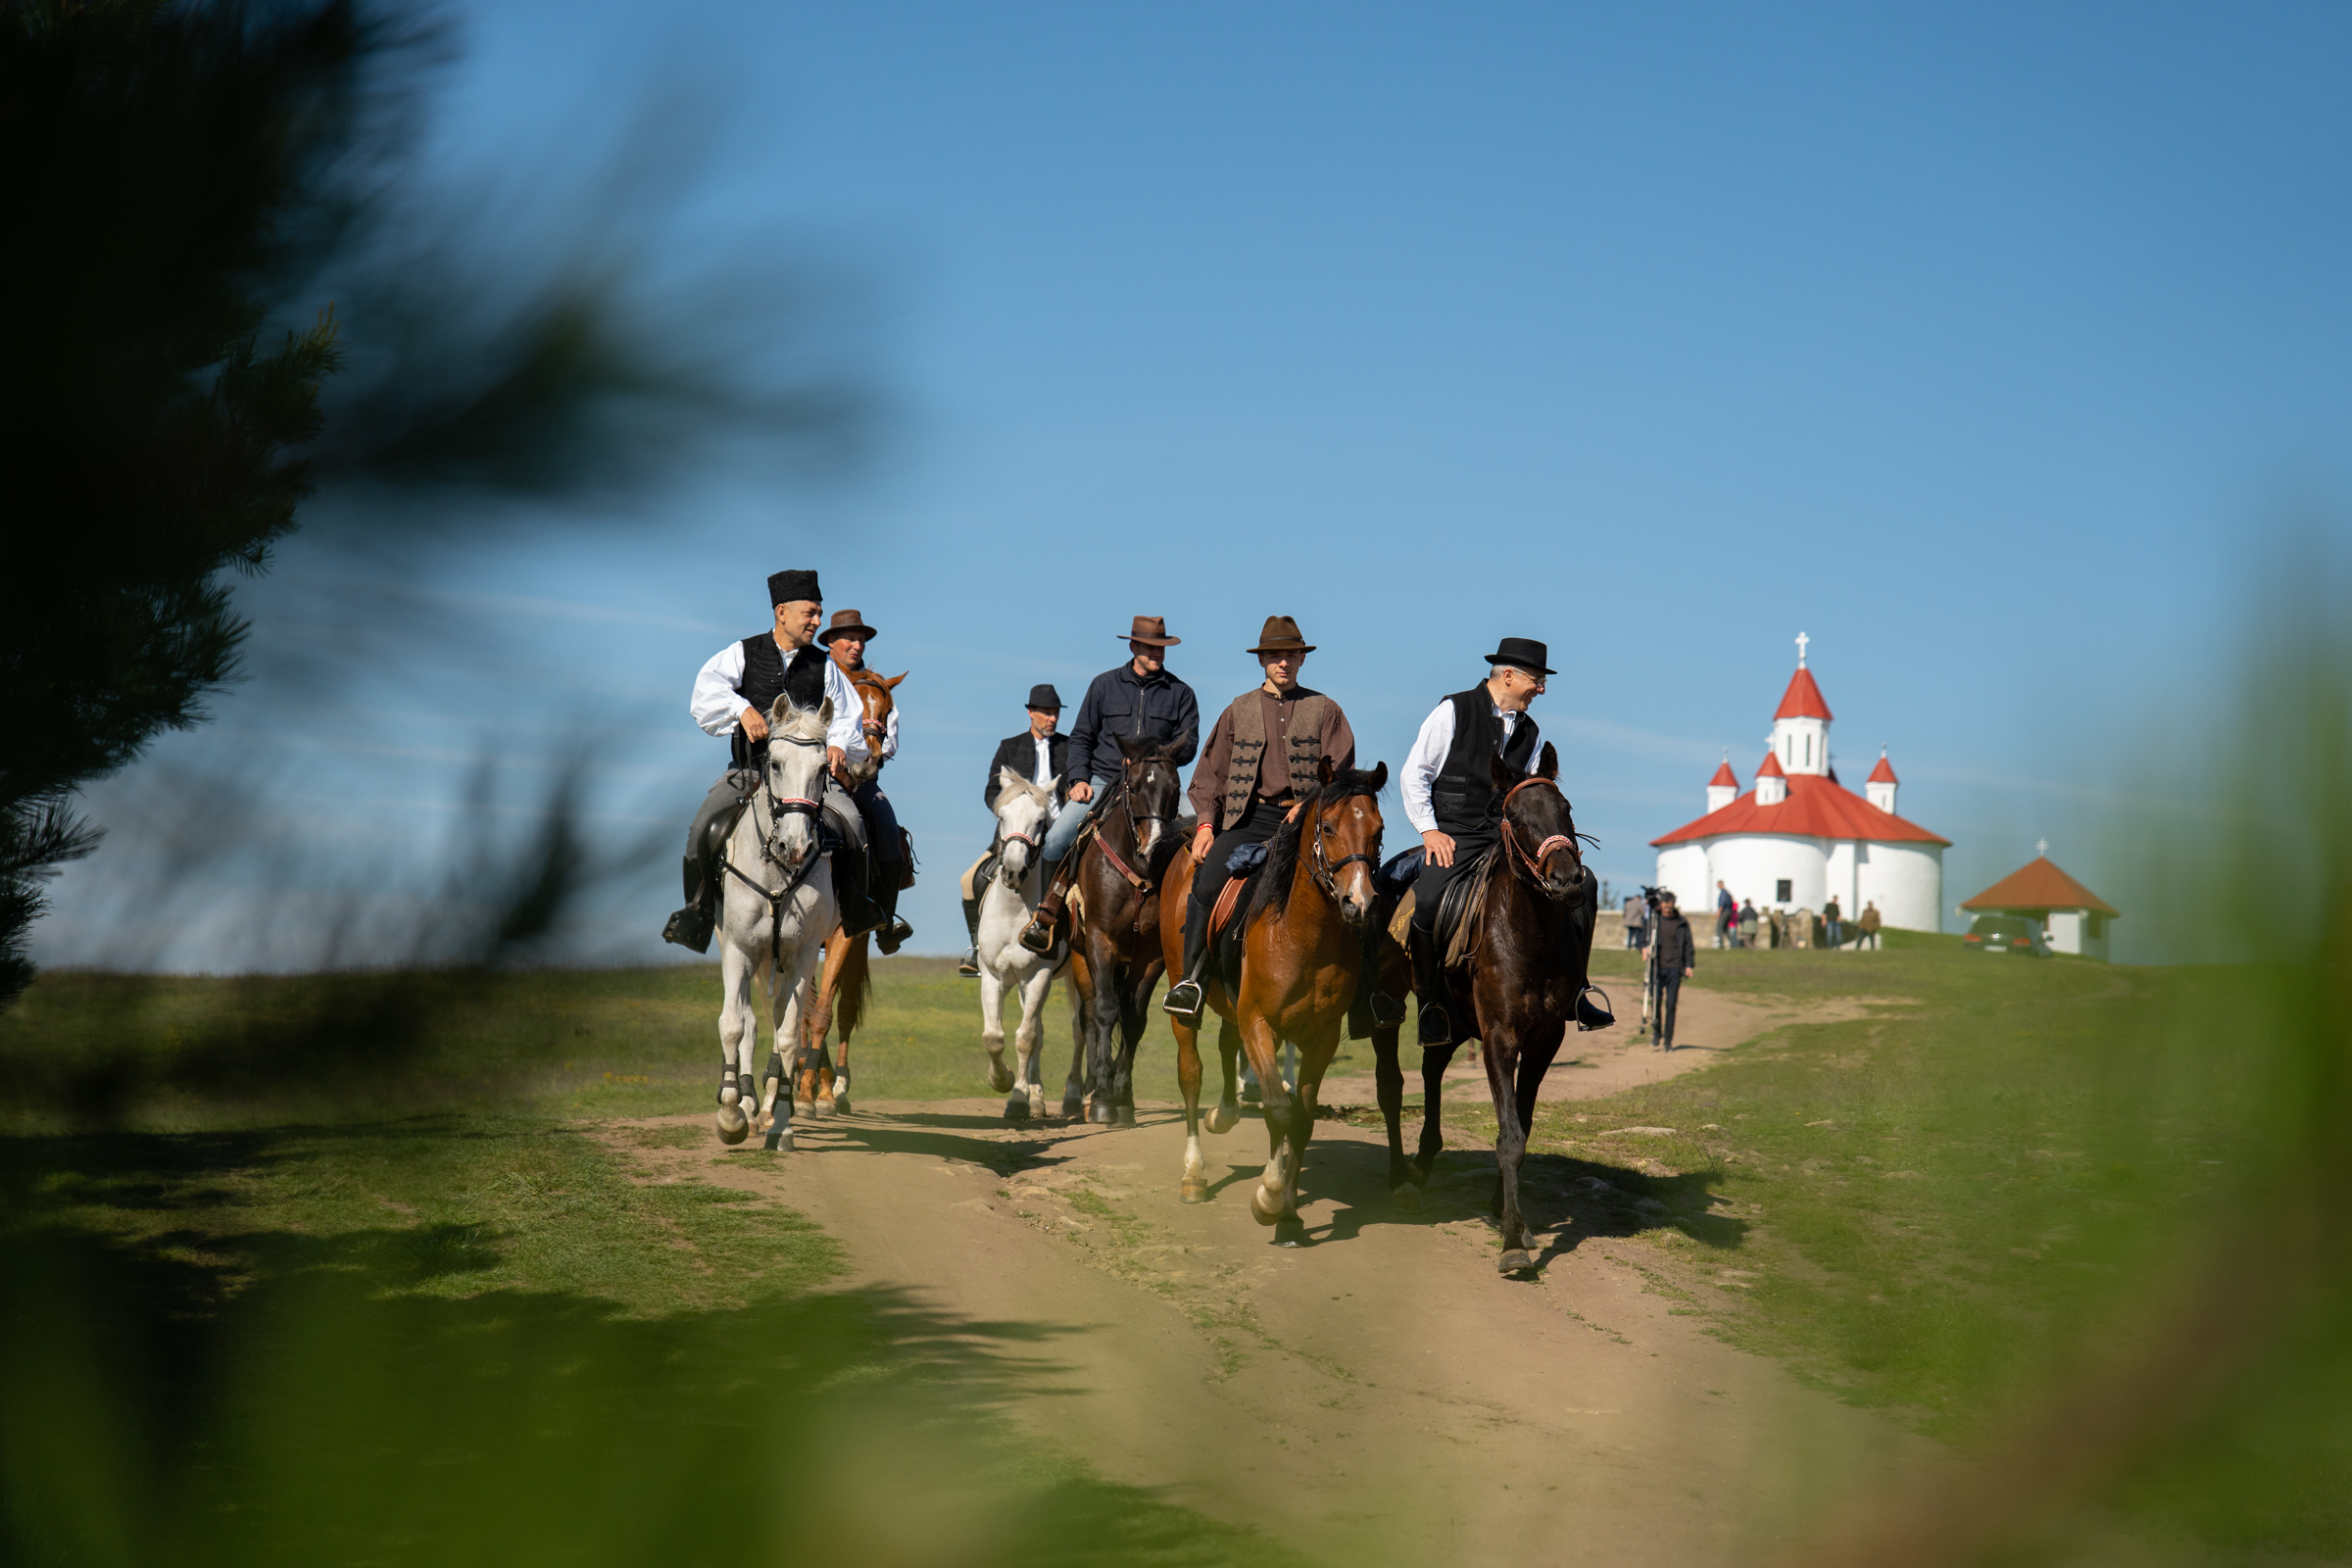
(1802, 744)
(1905, 881)
(1756, 864)
(1683, 869)
(1842, 877)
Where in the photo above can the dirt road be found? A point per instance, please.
(1380, 1393)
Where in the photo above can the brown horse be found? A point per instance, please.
(1302, 954)
(1114, 920)
(1518, 990)
(839, 994)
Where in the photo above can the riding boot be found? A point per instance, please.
(1185, 999)
(859, 913)
(1038, 935)
(691, 927)
(892, 932)
(1429, 979)
(969, 968)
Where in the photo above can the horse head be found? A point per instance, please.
(1153, 779)
(875, 699)
(1538, 826)
(796, 776)
(1022, 810)
(1342, 832)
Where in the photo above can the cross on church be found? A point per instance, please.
(1801, 640)
(2043, 849)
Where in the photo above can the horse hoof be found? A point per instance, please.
(803, 1108)
(1102, 1114)
(777, 1139)
(1192, 1189)
(1072, 1110)
(1290, 1231)
(1516, 1262)
(841, 1106)
(733, 1125)
(1405, 1199)
(1224, 1118)
(1124, 1115)
(1017, 1109)
(1259, 1209)
(1000, 1078)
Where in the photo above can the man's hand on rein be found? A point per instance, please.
(754, 725)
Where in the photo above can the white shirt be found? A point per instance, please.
(1042, 774)
(718, 704)
(1428, 754)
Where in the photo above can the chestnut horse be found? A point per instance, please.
(1114, 920)
(839, 995)
(1302, 954)
(1518, 990)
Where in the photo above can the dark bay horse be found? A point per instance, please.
(1517, 991)
(1302, 954)
(841, 992)
(1114, 920)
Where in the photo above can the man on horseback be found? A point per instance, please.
(732, 695)
(1138, 701)
(1037, 754)
(845, 639)
(1269, 749)
(1447, 788)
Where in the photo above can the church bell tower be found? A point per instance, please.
(1800, 727)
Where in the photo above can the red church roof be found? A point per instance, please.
(2039, 885)
(1803, 699)
(1883, 774)
(1815, 808)
(1724, 775)
(1771, 767)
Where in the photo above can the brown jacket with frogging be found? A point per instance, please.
(1268, 747)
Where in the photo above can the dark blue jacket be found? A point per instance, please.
(1120, 702)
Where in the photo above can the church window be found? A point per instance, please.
(1782, 894)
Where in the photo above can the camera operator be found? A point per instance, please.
(1673, 953)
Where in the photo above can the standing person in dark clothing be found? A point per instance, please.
(1450, 800)
(1676, 955)
(1726, 917)
(1038, 755)
(1269, 749)
(1139, 700)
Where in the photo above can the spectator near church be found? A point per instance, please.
(1867, 925)
(1750, 922)
(1726, 917)
(1637, 923)
(1834, 921)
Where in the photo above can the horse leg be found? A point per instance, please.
(852, 975)
(992, 1029)
(1029, 1043)
(1073, 1089)
(1305, 1095)
(1388, 1077)
(1511, 1147)
(814, 1091)
(1134, 1014)
(1193, 1187)
(1228, 1113)
(1270, 1199)
(734, 1030)
(1433, 1060)
(1102, 1031)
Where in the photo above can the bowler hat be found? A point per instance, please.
(1152, 629)
(1045, 698)
(1280, 635)
(784, 587)
(1523, 651)
(847, 623)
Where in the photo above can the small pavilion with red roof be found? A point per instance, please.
(1800, 838)
(2074, 918)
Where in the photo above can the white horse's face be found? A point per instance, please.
(1021, 815)
(796, 771)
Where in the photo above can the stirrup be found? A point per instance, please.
(1038, 935)
(1387, 1012)
(1437, 1026)
(1593, 1014)
(1185, 1000)
(892, 934)
(969, 968)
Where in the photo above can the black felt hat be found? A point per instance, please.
(1523, 651)
(1045, 697)
(784, 587)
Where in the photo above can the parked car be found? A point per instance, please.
(2007, 933)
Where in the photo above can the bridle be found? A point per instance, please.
(1124, 800)
(1326, 871)
(1534, 862)
(771, 849)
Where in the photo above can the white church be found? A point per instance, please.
(1800, 838)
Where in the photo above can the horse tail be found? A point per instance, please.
(856, 988)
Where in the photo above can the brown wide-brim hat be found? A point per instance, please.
(1280, 635)
(847, 623)
(1152, 629)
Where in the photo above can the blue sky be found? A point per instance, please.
(1984, 344)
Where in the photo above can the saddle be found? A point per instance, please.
(1458, 925)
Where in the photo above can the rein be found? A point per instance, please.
(1520, 856)
(1135, 837)
(779, 807)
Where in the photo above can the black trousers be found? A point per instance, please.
(1257, 825)
(1670, 991)
(1430, 886)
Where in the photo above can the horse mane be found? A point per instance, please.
(1282, 851)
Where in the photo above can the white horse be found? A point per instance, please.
(1005, 904)
(775, 912)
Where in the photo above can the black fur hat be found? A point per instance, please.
(784, 587)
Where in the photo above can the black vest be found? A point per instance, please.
(1463, 792)
(763, 681)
